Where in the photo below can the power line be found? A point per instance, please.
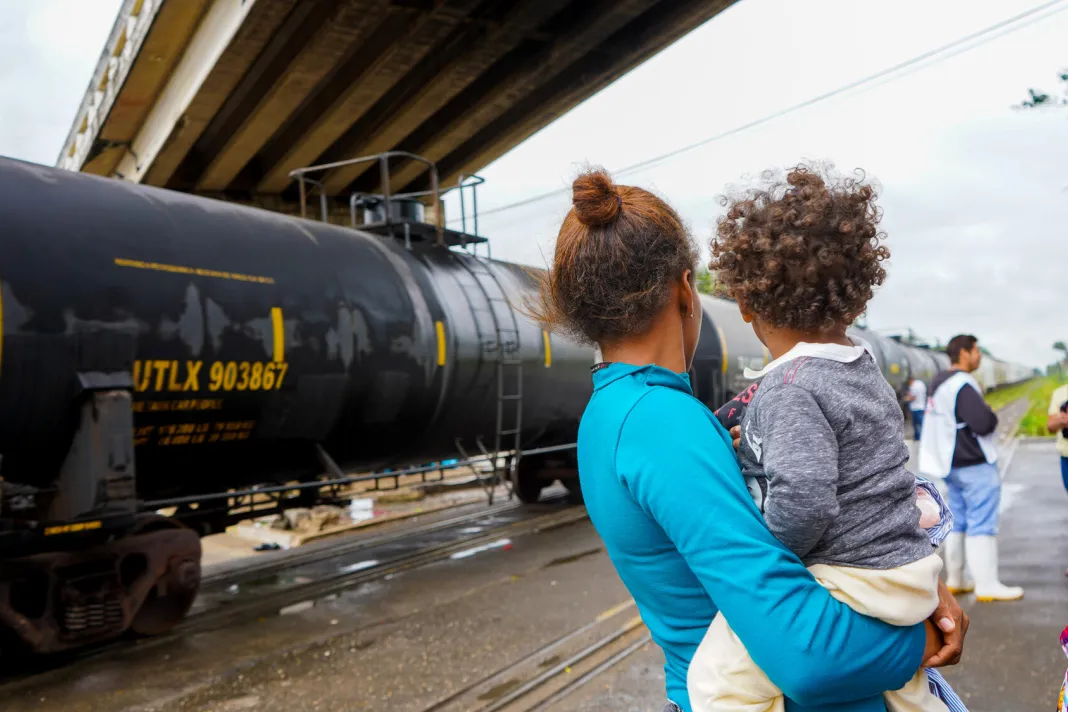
(985, 34)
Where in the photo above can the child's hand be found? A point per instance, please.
(930, 513)
(736, 436)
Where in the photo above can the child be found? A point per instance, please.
(822, 439)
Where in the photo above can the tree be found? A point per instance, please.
(1041, 98)
(706, 283)
(1060, 346)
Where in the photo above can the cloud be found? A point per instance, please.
(48, 53)
(975, 193)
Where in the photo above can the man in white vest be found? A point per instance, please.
(957, 445)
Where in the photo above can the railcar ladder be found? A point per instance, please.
(498, 333)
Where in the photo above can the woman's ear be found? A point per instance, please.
(687, 298)
(746, 316)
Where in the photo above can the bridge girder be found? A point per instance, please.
(226, 97)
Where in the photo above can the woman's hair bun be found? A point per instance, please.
(596, 199)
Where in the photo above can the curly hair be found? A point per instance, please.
(618, 250)
(803, 253)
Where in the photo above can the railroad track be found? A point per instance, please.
(543, 677)
(259, 602)
(1011, 413)
(321, 551)
(268, 602)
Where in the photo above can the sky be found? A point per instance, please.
(974, 192)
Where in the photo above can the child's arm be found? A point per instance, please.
(799, 454)
(942, 525)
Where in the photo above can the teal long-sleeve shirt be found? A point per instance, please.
(664, 491)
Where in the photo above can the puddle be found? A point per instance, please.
(479, 549)
(296, 608)
(550, 661)
(359, 566)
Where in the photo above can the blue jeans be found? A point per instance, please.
(1064, 471)
(974, 498)
(917, 424)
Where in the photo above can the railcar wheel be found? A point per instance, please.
(169, 600)
(574, 490)
(174, 591)
(528, 487)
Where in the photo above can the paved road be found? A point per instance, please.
(1013, 660)
(1012, 663)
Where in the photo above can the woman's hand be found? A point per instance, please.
(935, 642)
(946, 642)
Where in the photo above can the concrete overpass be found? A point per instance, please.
(226, 97)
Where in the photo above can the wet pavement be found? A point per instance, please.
(1012, 661)
(405, 643)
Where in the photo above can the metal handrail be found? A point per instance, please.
(460, 185)
(300, 174)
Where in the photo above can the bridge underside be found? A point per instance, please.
(226, 97)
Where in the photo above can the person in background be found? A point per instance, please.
(663, 487)
(1058, 423)
(957, 445)
(917, 400)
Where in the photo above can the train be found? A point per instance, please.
(898, 360)
(168, 361)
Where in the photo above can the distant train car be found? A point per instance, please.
(891, 356)
(986, 374)
(742, 349)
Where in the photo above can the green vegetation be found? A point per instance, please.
(1003, 396)
(706, 283)
(1038, 392)
(1041, 98)
(1034, 422)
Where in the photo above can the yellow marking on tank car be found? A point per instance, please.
(723, 347)
(279, 335)
(895, 368)
(184, 376)
(439, 327)
(73, 528)
(548, 348)
(197, 271)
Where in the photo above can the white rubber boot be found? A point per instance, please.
(957, 578)
(982, 554)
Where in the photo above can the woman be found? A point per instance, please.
(663, 487)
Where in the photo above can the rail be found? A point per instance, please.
(342, 481)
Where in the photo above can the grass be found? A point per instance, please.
(1034, 422)
(1003, 396)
